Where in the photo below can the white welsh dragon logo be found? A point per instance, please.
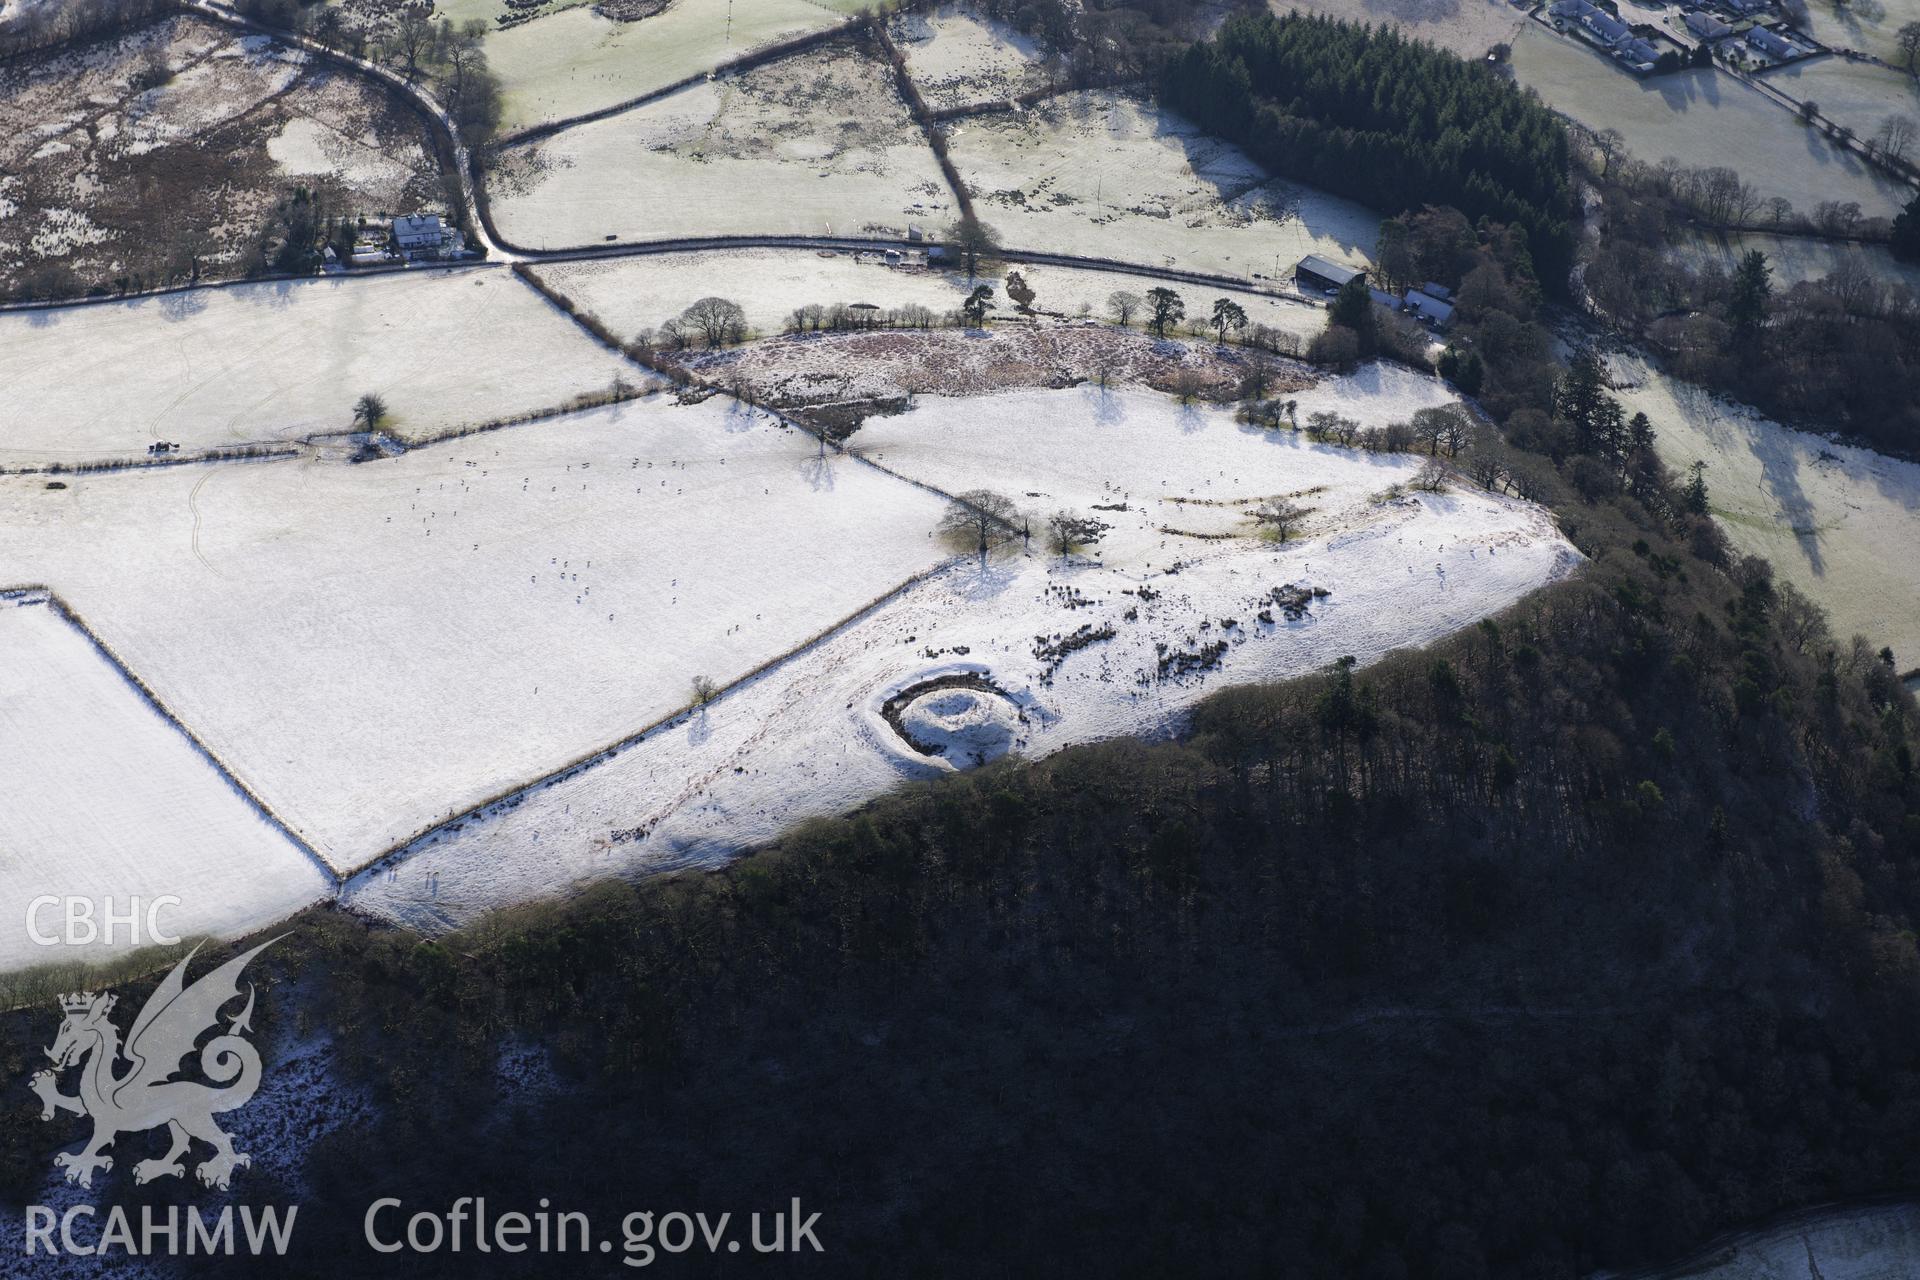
(145, 1095)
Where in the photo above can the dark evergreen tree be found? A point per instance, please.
(1905, 241)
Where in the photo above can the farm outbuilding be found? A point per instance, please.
(1316, 272)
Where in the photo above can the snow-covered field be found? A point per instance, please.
(223, 367)
(809, 737)
(372, 647)
(958, 58)
(576, 61)
(105, 800)
(819, 143)
(1100, 174)
(1702, 118)
(632, 294)
(1839, 523)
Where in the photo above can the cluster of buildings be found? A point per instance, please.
(1732, 28)
(1429, 303)
(1620, 42)
(411, 237)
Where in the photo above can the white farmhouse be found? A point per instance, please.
(420, 235)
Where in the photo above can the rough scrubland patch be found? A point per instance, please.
(136, 156)
(958, 58)
(828, 368)
(1796, 258)
(1118, 640)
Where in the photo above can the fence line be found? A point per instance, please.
(511, 797)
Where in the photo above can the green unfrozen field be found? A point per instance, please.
(573, 62)
(1702, 118)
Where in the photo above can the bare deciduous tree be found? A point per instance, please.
(982, 519)
(1442, 428)
(369, 411)
(717, 320)
(1281, 515)
(1894, 138)
(1069, 531)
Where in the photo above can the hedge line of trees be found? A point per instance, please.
(1366, 113)
(24, 29)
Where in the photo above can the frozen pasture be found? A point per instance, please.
(637, 293)
(1868, 26)
(1857, 94)
(1840, 523)
(958, 58)
(1702, 118)
(133, 157)
(217, 368)
(372, 647)
(575, 61)
(1100, 174)
(105, 799)
(818, 143)
(1029, 651)
(1796, 258)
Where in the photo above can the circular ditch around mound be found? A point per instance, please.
(962, 718)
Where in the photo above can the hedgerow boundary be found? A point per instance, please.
(28, 595)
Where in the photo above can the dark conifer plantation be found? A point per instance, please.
(1387, 121)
